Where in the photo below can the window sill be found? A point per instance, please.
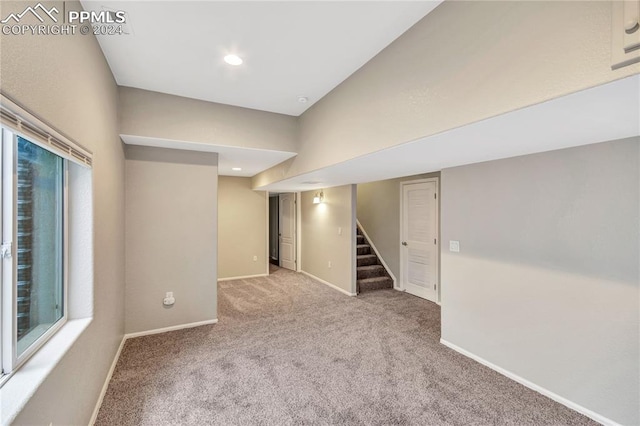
(22, 384)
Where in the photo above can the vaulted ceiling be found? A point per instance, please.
(290, 49)
(305, 49)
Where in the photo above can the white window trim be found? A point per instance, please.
(24, 382)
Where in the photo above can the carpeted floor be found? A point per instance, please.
(288, 350)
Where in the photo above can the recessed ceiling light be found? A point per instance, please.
(236, 169)
(233, 59)
(303, 99)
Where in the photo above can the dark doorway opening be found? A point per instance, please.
(274, 231)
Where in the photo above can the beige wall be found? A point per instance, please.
(321, 243)
(153, 114)
(242, 228)
(66, 81)
(463, 62)
(378, 211)
(546, 284)
(171, 237)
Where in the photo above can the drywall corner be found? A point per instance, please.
(171, 237)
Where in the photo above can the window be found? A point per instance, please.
(34, 238)
(46, 261)
(46, 219)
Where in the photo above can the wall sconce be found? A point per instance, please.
(318, 198)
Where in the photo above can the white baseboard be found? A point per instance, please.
(94, 416)
(375, 250)
(333, 286)
(172, 328)
(549, 394)
(244, 277)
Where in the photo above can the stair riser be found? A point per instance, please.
(371, 273)
(364, 250)
(360, 239)
(367, 261)
(376, 286)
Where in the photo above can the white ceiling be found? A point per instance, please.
(252, 161)
(306, 48)
(290, 48)
(599, 114)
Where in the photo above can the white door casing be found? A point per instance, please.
(287, 213)
(419, 247)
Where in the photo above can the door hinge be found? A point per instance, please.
(435, 196)
(435, 241)
(6, 250)
(434, 286)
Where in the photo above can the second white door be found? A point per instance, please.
(288, 231)
(419, 234)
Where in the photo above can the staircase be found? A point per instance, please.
(371, 275)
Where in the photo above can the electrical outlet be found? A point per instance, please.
(339, 230)
(454, 246)
(329, 265)
(255, 258)
(168, 299)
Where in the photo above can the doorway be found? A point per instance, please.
(420, 245)
(274, 230)
(287, 247)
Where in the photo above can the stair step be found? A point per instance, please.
(367, 259)
(371, 271)
(377, 283)
(363, 249)
(361, 239)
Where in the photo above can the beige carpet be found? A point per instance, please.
(290, 351)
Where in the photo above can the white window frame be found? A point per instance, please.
(10, 361)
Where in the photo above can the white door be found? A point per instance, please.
(288, 231)
(419, 233)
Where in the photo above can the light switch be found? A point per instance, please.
(454, 246)
(339, 230)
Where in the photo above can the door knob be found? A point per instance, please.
(404, 243)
